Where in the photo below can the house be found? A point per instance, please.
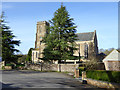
(112, 61)
(86, 43)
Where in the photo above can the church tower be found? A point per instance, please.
(39, 46)
(40, 33)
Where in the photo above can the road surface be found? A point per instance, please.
(36, 79)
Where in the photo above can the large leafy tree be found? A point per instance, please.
(8, 43)
(60, 40)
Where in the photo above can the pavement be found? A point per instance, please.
(37, 79)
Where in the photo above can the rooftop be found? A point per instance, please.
(85, 36)
(113, 56)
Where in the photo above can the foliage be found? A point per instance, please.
(8, 42)
(106, 51)
(110, 76)
(9, 64)
(22, 58)
(91, 65)
(60, 40)
(92, 61)
(18, 65)
(3, 67)
(29, 55)
(91, 53)
(101, 56)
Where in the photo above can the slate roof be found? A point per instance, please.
(85, 36)
(113, 56)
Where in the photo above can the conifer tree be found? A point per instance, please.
(7, 43)
(60, 41)
(29, 55)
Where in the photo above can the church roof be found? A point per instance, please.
(85, 36)
(113, 56)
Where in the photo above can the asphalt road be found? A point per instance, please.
(36, 79)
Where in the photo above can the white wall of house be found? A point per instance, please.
(112, 61)
(35, 55)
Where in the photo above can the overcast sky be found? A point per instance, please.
(88, 16)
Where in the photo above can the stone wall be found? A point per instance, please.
(67, 67)
(49, 67)
(102, 84)
(34, 67)
(53, 67)
(99, 83)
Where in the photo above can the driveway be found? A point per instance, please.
(36, 79)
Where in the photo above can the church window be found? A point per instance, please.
(36, 54)
(86, 50)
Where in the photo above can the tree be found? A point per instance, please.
(60, 40)
(106, 51)
(7, 44)
(91, 53)
(93, 60)
(29, 55)
(21, 58)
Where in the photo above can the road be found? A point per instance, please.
(36, 79)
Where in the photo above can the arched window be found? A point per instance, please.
(86, 50)
(36, 54)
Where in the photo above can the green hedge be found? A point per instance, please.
(9, 64)
(22, 65)
(110, 76)
(80, 70)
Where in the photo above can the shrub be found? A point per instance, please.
(110, 76)
(80, 70)
(18, 65)
(9, 64)
(3, 67)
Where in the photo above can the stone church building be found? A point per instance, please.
(86, 43)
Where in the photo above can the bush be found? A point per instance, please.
(9, 64)
(3, 67)
(81, 69)
(18, 65)
(110, 76)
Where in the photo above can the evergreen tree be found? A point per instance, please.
(7, 43)
(60, 40)
(29, 55)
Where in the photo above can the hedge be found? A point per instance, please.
(110, 76)
(22, 65)
(80, 70)
(9, 64)
(19, 65)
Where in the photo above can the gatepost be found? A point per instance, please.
(77, 73)
(84, 77)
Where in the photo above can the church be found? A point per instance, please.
(86, 43)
